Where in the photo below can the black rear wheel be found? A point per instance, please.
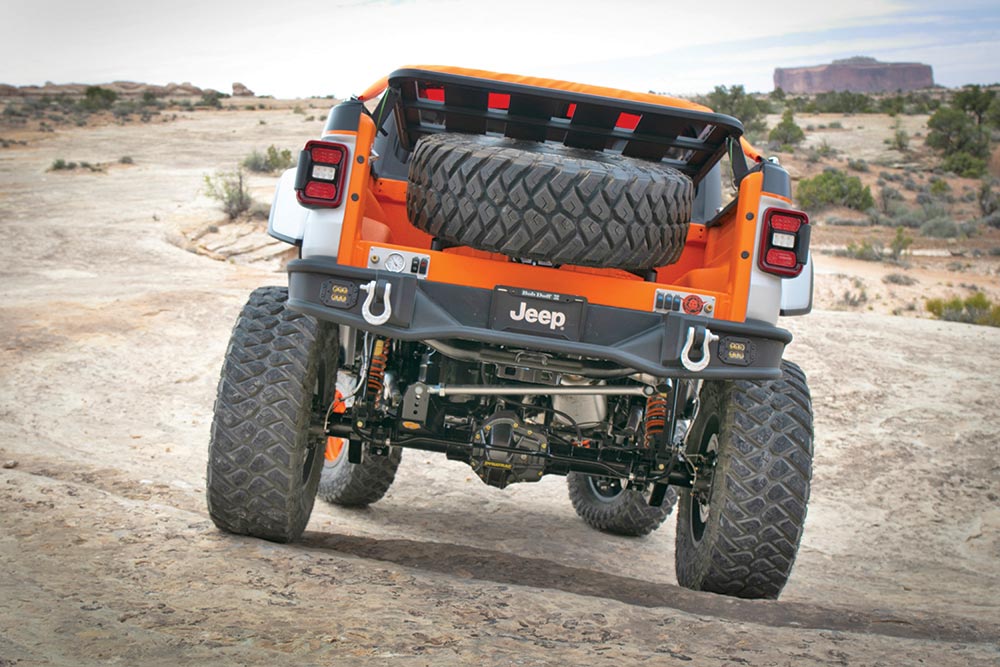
(605, 504)
(357, 484)
(738, 529)
(266, 449)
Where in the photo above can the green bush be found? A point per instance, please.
(976, 309)
(899, 279)
(939, 228)
(736, 102)
(211, 98)
(835, 188)
(899, 244)
(989, 201)
(975, 100)
(952, 131)
(964, 165)
(869, 251)
(96, 98)
(857, 165)
(939, 187)
(787, 133)
(900, 141)
(886, 195)
(269, 161)
(230, 189)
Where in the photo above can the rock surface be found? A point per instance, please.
(110, 350)
(239, 90)
(122, 88)
(858, 75)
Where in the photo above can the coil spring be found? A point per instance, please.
(376, 369)
(656, 418)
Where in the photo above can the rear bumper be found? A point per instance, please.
(427, 311)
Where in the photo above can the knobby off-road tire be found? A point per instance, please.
(746, 543)
(358, 484)
(604, 505)
(547, 202)
(266, 455)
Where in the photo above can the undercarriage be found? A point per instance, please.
(514, 422)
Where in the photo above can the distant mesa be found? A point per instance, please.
(857, 75)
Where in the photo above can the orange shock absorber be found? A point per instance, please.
(376, 369)
(656, 418)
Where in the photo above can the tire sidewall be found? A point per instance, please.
(695, 555)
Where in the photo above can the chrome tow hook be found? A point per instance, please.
(706, 355)
(366, 307)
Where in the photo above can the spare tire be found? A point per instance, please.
(547, 202)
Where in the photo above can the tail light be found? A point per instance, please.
(784, 242)
(322, 173)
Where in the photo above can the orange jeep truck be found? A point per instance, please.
(533, 277)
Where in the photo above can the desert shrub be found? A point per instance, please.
(61, 164)
(122, 109)
(989, 201)
(953, 132)
(992, 220)
(854, 299)
(975, 100)
(126, 159)
(869, 251)
(944, 228)
(939, 228)
(939, 187)
(230, 189)
(842, 102)
(975, 309)
(899, 244)
(96, 98)
(900, 141)
(299, 110)
(892, 106)
(835, 188)
(857, 165)
(736, 102)
(886, 195)
(965, 165)
(836, 125)
(269, 161)
(211, 98)
(899, 279)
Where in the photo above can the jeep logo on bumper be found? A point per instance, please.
(537, 313)
(554, 318)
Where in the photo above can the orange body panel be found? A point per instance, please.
(716, 261)
(711, 264)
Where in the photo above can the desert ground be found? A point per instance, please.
(119, 289)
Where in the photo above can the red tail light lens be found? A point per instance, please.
(321, 177)
(784, 242)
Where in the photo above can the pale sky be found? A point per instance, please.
(297, 48)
